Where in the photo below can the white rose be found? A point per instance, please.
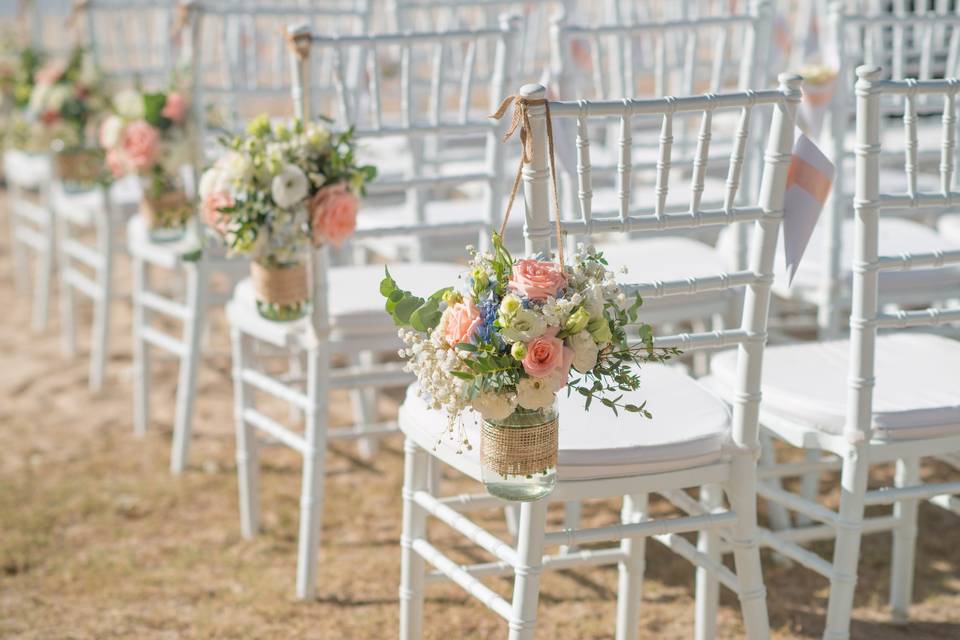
(585, 351)
(538, 393)
(110, 131)
(524, 326)
(289, 186)
(494, 406)
(129, 104)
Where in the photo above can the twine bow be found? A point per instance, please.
(521, 120)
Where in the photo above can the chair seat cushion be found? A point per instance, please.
(949, 227)
(916, 393)
(897, 235)
(27, 170)
(354, 293)
(689, 427)
(667, 258)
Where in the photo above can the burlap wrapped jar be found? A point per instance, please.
(282, 291)
(166, 214)
(79, 167)
(518, 455)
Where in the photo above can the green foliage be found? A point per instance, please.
(408, 310)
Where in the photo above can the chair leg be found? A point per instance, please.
(248, 471)
(100, 339)
(630, 583)
(846, 550)
(708, 586)
(141, 351)
(311, 492)
(68, 302)
(412, 567)
(904, 542)
(778, 514)
(18, 250)
(572, 511)
(526, 586)
(809, 485)
(44, 275)
(742, 494)
(365, 408)
(189, 363)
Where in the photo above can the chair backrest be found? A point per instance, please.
(869, 202)
(766, 212)
(532, 53)
(130, 40)
(238, 57)
(450, 106)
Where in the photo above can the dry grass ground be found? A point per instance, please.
(98, 540)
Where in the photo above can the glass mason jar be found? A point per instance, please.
(518, 455)
(281, 289)
(166, 209)
(78, 168)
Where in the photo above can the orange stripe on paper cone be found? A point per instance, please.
(809, 178)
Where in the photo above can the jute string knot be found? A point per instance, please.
(521, 120)
(299, 44)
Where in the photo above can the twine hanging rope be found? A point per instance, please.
(283, 285)
(181, 20)
(519, 451)
(521, 121)
(299, 43)
(78, 7)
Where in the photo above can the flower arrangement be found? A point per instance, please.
(518, 331)
(280, 188)
(18, 67)
(147, 135)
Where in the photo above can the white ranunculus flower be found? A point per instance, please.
(494, 406)
(289, 186)
(236, 166)
(585, 351)
(210, 182)
(524, 326)
(538, 393)
(110, 131)
(129, 104)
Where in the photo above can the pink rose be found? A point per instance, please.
(50, 72)
(333, 215)
(140, 143)
(175, 107)
(116, 164)
(460, 321)
(210, 210)
(546, 355)
(536, 279)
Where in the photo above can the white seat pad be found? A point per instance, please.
(28, 170)
(355, 300)
(897, 235)
(916, 394)
(688, 429)
(949, 226)
(666, 258)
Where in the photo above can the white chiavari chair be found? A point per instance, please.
(665, 52)
(347, 316)
(602, 456)
(128, 42)
(922, 44)
(899, 403)
(238, 70)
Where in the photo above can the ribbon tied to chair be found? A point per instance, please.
(521, 120)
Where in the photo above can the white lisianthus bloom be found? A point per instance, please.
(494, 406)
(593, 300)
(129, 104)
(538, 393)
(524, 326)
(585, 351)
(289, 186)
(110, 132)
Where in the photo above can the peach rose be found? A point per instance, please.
(333, 215)
(460, 321)
(115, 163)
(175, 107)
(210, 210)
(536, 279)
(50, 72)
(140, 143)
(546, 355)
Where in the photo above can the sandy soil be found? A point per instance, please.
(98, 540)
